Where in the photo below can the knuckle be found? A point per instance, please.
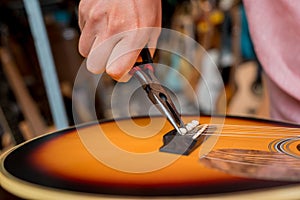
(82, 4)
(83, 7)
(95, 15)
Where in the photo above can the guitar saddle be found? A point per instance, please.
(184, 144)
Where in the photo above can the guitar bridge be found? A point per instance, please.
(184, 144)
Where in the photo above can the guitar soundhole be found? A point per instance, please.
(288, 146)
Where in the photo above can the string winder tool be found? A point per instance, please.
(185, 137)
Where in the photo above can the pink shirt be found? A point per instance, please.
(275, 30)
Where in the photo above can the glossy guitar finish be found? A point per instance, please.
(118, 159)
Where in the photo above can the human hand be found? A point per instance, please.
(113, 32)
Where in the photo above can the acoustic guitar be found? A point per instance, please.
(244, 77)
(240, 158)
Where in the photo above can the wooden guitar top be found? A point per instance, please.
(245, 157)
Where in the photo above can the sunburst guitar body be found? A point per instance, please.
(243, 158)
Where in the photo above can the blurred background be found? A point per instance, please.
(27, 110)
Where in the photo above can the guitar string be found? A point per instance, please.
(247, 136)
(251, 134)
(257, 134)
(259, 127)
(256, 131)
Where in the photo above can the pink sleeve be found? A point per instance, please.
(275, 30)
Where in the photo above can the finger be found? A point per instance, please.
(120, 67)
(125, 54)
(93, 23)
(91, 30)
(86, 41)
(83, 12)
(152, 43)
(100, 53)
